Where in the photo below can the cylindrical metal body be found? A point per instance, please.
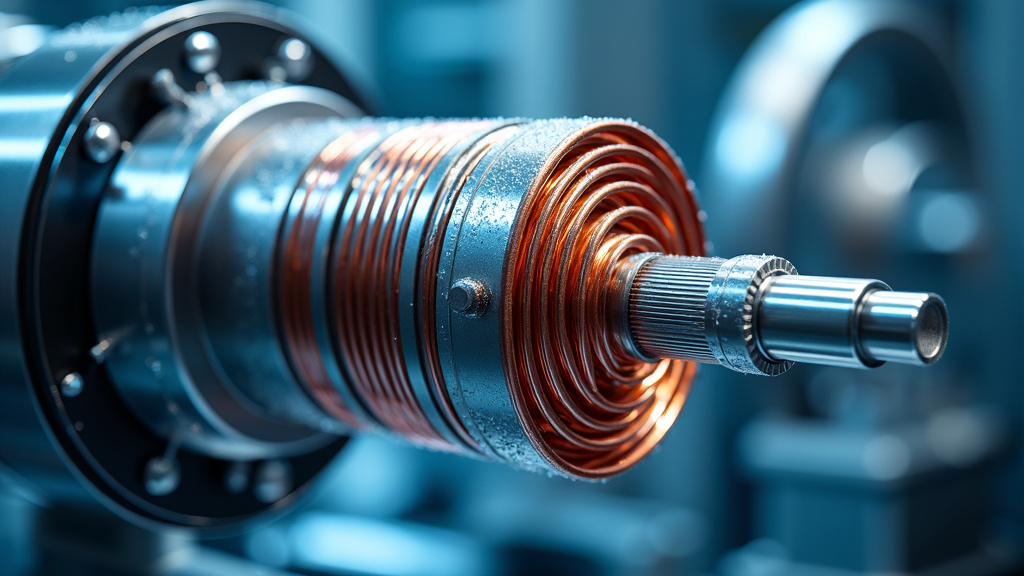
(823, 311)
(66, 433)
(754, 314)
(849, 322)
(219, 279)
(257, 293)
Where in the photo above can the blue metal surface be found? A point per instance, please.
(817, 473)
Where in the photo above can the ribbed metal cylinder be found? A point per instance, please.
(667, 307)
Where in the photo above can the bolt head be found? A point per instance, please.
(102, 142)
(469, 297)
(161, 476)
(202, 52)
(71, 385)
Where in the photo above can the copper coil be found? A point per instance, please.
(607, 193)
(295, 272)
(610, 191)
(369, 233)
(367, 255)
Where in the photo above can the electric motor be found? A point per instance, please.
(213, 269)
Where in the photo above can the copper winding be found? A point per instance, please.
(609, 192)
(370, 231)
(367, 259)
(295, 274)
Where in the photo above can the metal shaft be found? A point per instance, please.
(755, 314)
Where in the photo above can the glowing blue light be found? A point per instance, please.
(350, 544)
(751, 146)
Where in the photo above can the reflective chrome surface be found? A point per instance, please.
(754, 314)
(186, 335)
(849, 322)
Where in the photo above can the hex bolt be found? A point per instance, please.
(202, 52)
(71, 385)
(102, 141)
(161, 476)
(469, 297)
(272, 481)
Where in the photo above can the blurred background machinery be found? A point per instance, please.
(877, 139)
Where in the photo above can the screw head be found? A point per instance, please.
(296, 57)
(272, 481)
(161, 476)
(202, 52)
(469, 297)
(102, 141)
(71, 385)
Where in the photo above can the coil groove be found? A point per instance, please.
(380, 177)
(610, 191)
(295, 273)
(367, 261)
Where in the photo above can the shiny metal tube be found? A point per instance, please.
(754, 314)
(849, 322)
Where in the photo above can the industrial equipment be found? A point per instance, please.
(214, 269)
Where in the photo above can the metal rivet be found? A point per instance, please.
(202, 52)
(272, 481)
(102, 142)
(72, 385)
(296, 57)
(162, 476)
(469, 297)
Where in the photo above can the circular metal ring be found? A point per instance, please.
(48, 98)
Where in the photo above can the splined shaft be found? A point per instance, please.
(754, 314)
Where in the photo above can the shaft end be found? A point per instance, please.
(755, 314)
(906, 327)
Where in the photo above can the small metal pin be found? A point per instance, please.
(236, 478)
(292, 63)
(297, 58)
(71, 385)
(166, 89)
(102, 142)
(202, 52)
(469, 297)
(161, 476)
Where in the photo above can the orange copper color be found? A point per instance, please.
(298, 324)
(370, 232)
(608, 192)
(611, 191)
